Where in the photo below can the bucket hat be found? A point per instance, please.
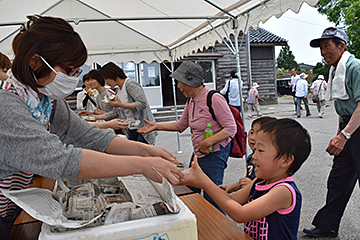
(190, 73)
(303, 76)
(255, 85)
(321, 77)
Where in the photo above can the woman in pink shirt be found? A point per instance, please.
(196, 115)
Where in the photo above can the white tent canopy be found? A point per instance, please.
(145, 30)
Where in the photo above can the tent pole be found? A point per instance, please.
(175, 105)
(237, 50)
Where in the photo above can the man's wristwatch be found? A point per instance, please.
(346, 135)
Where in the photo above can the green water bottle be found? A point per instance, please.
(208, 133)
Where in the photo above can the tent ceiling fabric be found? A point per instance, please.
(138, 37)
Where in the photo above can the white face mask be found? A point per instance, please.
(62, 86)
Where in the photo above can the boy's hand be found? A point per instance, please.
(243, 182)
(232, 188)
(195, 177)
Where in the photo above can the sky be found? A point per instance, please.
(299, 29)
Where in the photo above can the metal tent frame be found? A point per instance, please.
(261, 10)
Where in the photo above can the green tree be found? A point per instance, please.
(345, 14)
(321, 68)
(286, 59)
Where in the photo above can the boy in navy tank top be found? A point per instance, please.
(270, 206)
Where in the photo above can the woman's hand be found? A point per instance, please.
(99, 112)
(117, 103)
(151, 126)
(167, 169)
(84, 113)
(90, 92)
(154, 151)
(204, 146)
(117, 124)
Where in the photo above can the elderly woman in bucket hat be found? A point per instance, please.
(319, 88)
(196, 116)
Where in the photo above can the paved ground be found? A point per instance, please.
(311, 178)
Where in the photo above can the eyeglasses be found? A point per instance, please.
(71, 71)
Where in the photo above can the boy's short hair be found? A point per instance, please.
(290, 138)
(262, 120)
(95, 74)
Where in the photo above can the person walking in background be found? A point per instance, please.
(318, 88)
(344, 87)
(231, 91)
(253, 100)
(294, 78)
(5, 65)
(301, 95)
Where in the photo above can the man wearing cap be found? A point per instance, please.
(253, 100)
(318, 88)
(344, 86)
(301, 95)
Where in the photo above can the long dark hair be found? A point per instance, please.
(52, 38)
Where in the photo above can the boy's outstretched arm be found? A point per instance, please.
(278, 198)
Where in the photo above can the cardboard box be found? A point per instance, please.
(180, 226)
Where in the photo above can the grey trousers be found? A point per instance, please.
(321, 106)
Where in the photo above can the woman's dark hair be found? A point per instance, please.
(4, 62)
(290, 138)
(52, 38)
(233, 74)
(112, 71)
(95, 74)
(85, 77)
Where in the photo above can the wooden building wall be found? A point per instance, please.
(262, 70)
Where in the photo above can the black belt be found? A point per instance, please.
(345, 119)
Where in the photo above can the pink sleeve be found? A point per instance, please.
(293, 193)
(223, 115)
(183, 122)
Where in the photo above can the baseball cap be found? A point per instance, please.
(330, 32)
